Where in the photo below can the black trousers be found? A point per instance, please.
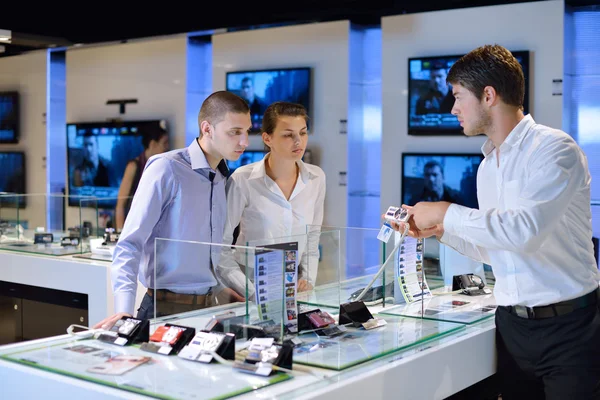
(551, 358)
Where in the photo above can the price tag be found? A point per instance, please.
(264, 370)
(385, 233)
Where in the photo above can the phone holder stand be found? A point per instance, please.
(205, 343)
(169, 339)
(127, 331)
(470, 284)
(355, 312)
(238, 325)
(263, 354)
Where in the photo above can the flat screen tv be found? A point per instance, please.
(440, 177)
(430, 99)
(9, 117)
(263, 87)
(12, 179)
(97, 154)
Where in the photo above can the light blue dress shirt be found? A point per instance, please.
(175, 199)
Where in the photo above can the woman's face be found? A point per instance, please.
(289, 139)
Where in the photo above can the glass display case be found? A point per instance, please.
(27, 226)
(102, 220)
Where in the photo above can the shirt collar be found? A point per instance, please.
(199, 161)
(259, 170)
(514, 138)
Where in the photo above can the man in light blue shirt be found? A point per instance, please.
(181, 196)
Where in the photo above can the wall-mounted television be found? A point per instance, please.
(440, 177)
(251, 156)
(97, 154)
(430, 99)
(12, 179)
(263, 87)
(9, 117)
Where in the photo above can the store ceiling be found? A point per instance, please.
(105, 24)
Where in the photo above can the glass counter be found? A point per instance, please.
(27, 226)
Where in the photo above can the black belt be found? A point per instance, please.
(181, 298)
(556, 309)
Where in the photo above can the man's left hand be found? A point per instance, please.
(427, 215)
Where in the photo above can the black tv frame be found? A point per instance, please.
(23, 203)
(428, 154)
(17, 126)
(310, 87)
(430, 131)
(72, 202)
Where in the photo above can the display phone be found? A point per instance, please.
(396, 214)
(204, 344)
(169, 339)
(374, 293)
(470, 284)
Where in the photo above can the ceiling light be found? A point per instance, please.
(5, 36)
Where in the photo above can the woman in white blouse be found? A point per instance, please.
(276, 197)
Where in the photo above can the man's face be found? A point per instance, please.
(230, 137)
(434, 179)
(437, 80)
(470, 111)
(90, 149)
(247, 90)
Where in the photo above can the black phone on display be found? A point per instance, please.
(374, 293)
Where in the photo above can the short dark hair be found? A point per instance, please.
(432, 163)
(220, 103)
(490, 65)
(280, 109)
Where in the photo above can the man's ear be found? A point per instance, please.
(206, 129)
(490, 97)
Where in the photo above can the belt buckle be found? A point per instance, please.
(523, 312)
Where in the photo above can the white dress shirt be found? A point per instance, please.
(257, 204)
(533, 225)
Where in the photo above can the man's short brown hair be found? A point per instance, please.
(218, 104)
(490, 65)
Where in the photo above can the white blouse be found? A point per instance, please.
(257, 204)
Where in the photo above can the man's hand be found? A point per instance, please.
(304, 286)
(229, 295)
(109, 322)
(427, 215)
(413, 230)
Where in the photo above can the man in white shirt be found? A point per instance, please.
(533, 227)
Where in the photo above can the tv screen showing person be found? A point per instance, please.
(440, 177)
(430, 95)
(12, 178)
(98, 154)
(261, 88)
